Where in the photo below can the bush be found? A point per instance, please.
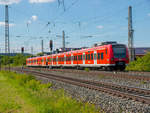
(141, 64)
(36, 85)
(17, 60)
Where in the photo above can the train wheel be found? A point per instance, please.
(109, 68)
(122, 68)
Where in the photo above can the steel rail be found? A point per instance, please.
(127, 75)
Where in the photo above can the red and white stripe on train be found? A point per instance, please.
(107, 56)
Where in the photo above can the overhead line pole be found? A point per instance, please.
(42, 48)
(130, 35)
(32, 50)
(63, 38)
(7, 47)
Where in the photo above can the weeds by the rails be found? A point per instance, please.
(87, 69)
(143, 82)
(102, 76)
(40, 97)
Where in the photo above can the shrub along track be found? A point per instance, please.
(137, 94)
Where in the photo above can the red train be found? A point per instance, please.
(108, 55)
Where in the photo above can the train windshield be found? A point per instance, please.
(119, 51)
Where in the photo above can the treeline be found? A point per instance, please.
(17, 60)
(141, 64)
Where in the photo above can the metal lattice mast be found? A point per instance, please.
(130, 35)
(7, 48)
(63, 40)
(42, 48)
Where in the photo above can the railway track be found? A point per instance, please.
(142, 76)
(137, 94)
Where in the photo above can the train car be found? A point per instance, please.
(108, 55)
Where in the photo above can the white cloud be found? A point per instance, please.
(41, 1)
(3, 24)
(29, 22)
(34, 18)
(148, 14)
(4, 2)
(100, 27)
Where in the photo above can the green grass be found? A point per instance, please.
(20, 93)
(10, 99)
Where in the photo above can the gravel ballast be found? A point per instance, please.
(106, 102)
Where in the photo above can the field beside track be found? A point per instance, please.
(20, 93)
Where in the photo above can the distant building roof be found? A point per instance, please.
(142, 50)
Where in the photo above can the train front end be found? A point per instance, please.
(119, 56)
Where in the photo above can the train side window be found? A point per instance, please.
(69, 58)
(78, 57)
(88, 56)
(75, 58)
(102, 56)
(92, 56)
(98, 56)
(106, 51)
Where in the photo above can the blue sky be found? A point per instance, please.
(85, 22)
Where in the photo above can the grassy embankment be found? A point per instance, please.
(141, 64)
(23, 94)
